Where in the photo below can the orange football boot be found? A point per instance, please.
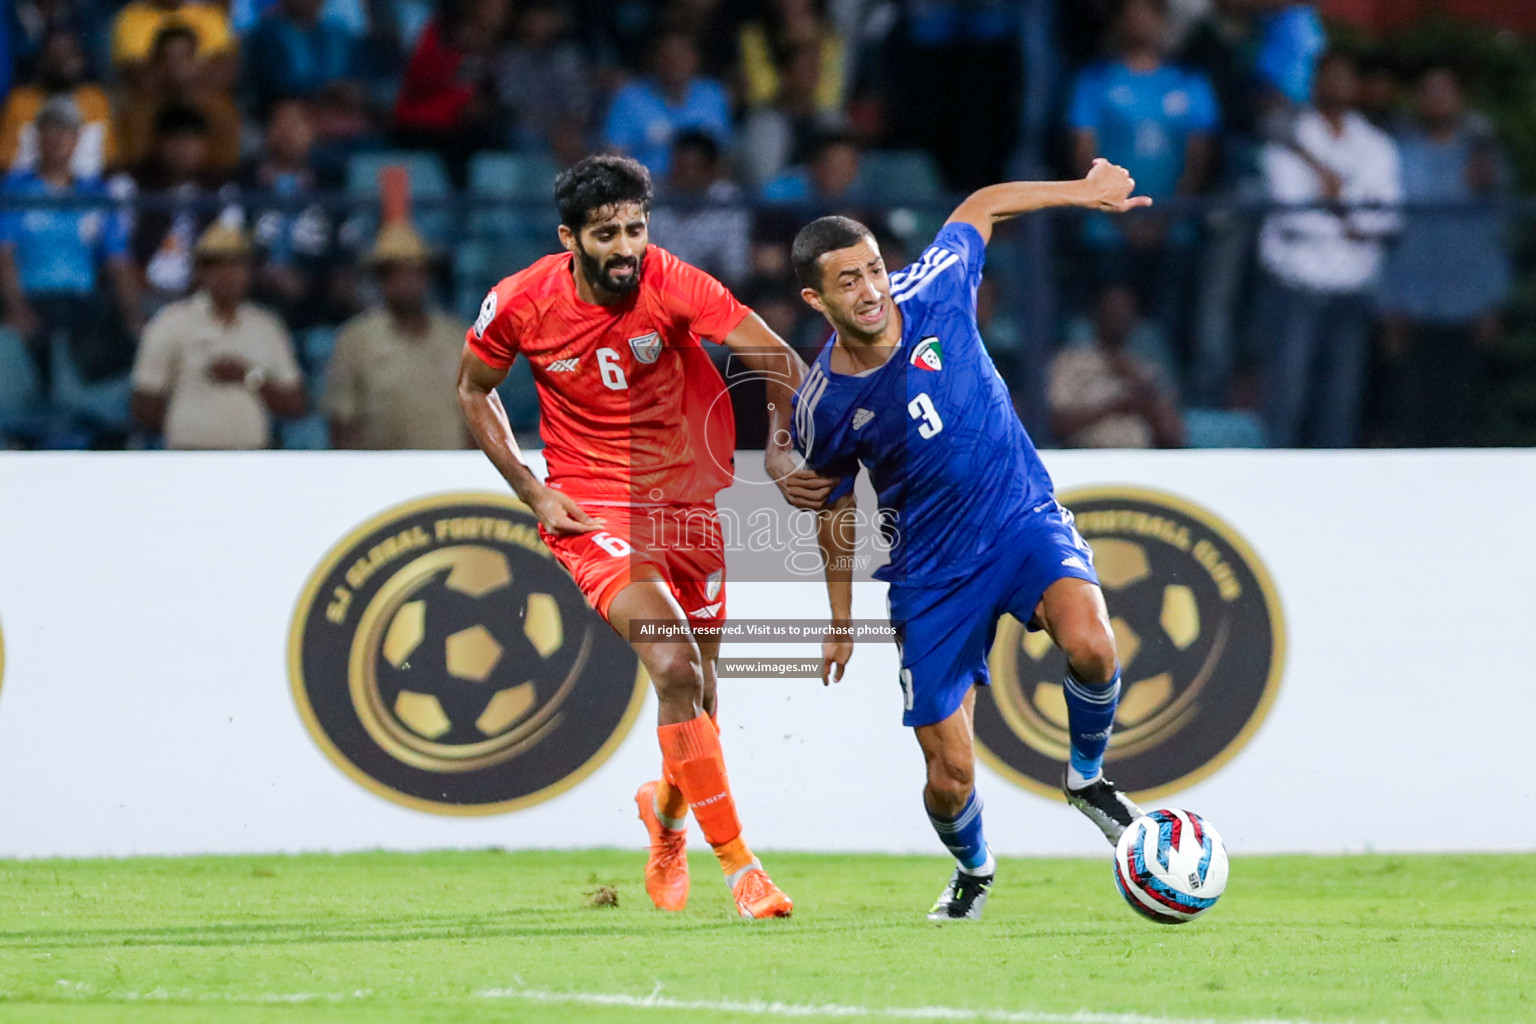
(666, 872)
(757, 897)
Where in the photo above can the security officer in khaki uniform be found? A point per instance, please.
(213, 369)
(392, 377)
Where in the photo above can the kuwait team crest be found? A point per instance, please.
(929, 354)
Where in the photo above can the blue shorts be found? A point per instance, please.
(945, 632)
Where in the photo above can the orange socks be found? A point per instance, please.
(671, 805)
(691, 758)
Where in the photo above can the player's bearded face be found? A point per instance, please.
(612, 249)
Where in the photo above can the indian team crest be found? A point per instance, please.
(647, 347)
(1201, 637)
(441, 657)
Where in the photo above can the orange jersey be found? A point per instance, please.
(632, 409)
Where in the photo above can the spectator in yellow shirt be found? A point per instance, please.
(138, 24)
(172, 78)
(60, 72)
(786, 27)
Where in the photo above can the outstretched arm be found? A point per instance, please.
(768, 355)
(1106, 187)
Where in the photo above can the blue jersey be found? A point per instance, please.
(955, 471)
(1143, 120)
(60, 250)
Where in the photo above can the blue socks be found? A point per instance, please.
(962, 836)
(1090, 717)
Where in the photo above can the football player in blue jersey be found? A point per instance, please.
(905, 387)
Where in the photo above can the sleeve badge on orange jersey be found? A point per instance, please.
(487, 314)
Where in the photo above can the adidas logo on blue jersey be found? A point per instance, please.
(861, 417)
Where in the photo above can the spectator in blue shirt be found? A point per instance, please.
(1157, 119)
(51, 260)
(1293, 42)
(648, 114)
(1136, 110)
(1448, 275)
(294, 50)
(830, 179)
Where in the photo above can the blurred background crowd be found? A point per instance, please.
(268, 222)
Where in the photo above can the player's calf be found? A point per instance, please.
(954, 811)
(1092, 685)
(678, 678)
(1080, 626)
(951, 782)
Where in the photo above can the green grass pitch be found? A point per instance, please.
(490, 936)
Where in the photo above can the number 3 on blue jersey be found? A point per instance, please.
(921, 408)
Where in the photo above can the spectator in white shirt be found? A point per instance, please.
(1322, 263)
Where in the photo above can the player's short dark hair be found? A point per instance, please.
(597, 182)
(816, 239)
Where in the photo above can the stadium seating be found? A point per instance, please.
(429, 181)
(480, 263)
(513, 179)
(311, 433)
(20, 394)
(900, 176)
(100, 404)
(1223, 428)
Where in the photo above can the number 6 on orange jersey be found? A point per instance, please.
(615, 546)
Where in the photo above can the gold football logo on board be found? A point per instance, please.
(1201, 639)
(441, 657)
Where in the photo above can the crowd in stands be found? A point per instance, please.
(193, 253)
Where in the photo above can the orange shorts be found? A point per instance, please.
(680, 543)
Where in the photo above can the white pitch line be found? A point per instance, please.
(657, 1001)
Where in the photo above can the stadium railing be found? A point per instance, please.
(1039, 271)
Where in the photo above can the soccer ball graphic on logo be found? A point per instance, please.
(465, 658)
(1162, 643)
(1170, 866)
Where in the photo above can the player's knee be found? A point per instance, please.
(676, 674)
(1091, 654)
(951, 778)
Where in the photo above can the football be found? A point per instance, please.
(1171, 866)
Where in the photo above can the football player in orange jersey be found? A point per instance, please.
(638, 438)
